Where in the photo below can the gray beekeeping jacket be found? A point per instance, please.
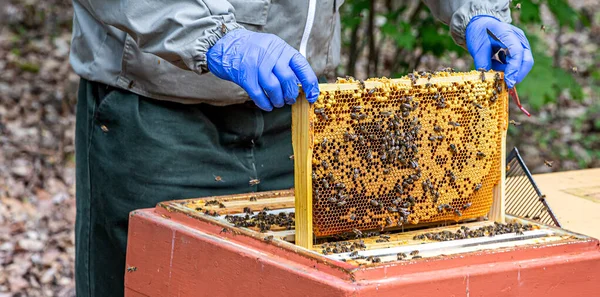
(157, 48)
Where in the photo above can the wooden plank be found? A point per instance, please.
(498, 209)
(275, 203)
(564, 190)
(406, 238)
(420, 81)
(302, 144)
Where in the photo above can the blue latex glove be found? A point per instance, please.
(263, 65)
(481, 46)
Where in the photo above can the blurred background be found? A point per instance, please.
(380, 38)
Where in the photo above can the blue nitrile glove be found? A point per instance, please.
(482, 47)
(263, 65)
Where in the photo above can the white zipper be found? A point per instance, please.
(310, 19)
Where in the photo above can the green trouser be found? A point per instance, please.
(133, 152)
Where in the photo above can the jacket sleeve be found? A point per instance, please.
(180, 32)
(458, 13)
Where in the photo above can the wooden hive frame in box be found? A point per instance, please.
(386, 153)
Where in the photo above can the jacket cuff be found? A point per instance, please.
(461, 17)
(224, 24)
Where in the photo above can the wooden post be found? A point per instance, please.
(302, 144)
(498, 210)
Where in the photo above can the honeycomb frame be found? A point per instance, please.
(385, 153)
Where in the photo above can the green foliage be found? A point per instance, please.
(530, 12)
(563, 12)
(29, 67)
(414, 32)
(545, 82)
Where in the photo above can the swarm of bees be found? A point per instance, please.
(262, 220)
(343, 247)
(465, 232)
(377, 150)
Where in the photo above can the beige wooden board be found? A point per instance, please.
(573, 197)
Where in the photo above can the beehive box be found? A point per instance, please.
(387, 153)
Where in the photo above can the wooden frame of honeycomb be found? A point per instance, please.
(386, 153)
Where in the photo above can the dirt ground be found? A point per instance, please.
(37, 119)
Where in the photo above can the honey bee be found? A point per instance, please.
(362, 84)
(389, 221)
(515, 122)
(341, 203)
(452, 176)
(480, 155)
(401, 256)
(254, 182)
(224, 230)
(221, 205)
(352, 217)
(253, 198)
(248, 210)
(131, 269)
(211, 202)
(374, 202)
(376, 260)
(482, 70)
(478, 105)
(324, 143)
(354, 254)
(268, 238)
(478, 187)
(414, 253)
(548, 163)
(414, 164)
(218, 178)
(457, 212)
(455, 124)
(453, 148)
(372, 91)
(324, 164)
(357, 233)
(466, 206)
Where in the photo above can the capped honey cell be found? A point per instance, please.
(420, 149)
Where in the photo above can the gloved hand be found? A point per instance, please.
(263, 65)
(481, 46)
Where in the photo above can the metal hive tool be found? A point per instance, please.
(523, 197)
(424, 148)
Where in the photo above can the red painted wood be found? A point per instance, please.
(175, 256)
